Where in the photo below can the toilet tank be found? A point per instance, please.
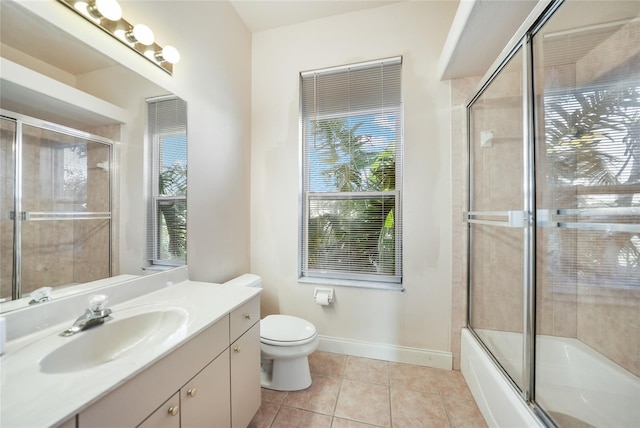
(246, 280)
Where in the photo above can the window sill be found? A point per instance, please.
(372, 285)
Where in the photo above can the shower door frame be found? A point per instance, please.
(525, 219)
(18, 215)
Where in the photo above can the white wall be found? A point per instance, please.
(419, 317)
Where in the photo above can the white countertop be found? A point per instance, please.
(31, 398)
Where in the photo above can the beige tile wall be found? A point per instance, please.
(7, 135)
(461, 92)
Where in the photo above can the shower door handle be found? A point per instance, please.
(517, 218)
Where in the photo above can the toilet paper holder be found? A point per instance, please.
(320, 292)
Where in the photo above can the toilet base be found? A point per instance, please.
(291, 374)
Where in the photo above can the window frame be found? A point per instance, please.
(352, 279)
(155, 198)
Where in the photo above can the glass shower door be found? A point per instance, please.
(65, 198)
(496, 218)
(56, 206)
(587, 88)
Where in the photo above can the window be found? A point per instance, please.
(352, 174)
(167, 221)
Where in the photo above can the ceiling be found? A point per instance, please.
(260, 15)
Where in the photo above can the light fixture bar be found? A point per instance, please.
(137, 37)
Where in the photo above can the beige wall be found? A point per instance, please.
(420, 317)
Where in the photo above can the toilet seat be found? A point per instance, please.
(286, 330)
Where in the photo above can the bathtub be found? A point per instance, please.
(574, 383)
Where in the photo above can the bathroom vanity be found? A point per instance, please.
(186, 354)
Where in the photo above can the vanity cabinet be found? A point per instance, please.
(212, 380)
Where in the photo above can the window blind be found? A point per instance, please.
(167, 211)
(351, 118)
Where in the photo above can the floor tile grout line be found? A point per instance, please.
(335, 405)
(446, 411)
(446, 383)
(390, 403)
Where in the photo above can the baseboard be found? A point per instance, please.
(397, 354)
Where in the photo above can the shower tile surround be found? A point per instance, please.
(602, 317)
(356, 392)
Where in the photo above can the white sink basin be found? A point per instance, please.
(115, 339)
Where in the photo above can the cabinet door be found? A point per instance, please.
(245, 377)
(205, 399)
(167, 415)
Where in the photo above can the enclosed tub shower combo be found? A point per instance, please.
(553, 218)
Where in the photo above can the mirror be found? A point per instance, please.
(50, 75)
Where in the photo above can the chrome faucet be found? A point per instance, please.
(96, 314)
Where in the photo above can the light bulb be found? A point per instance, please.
(109, 9)
(143, 34)
(140, 33)
(81, 6)
(170, 54)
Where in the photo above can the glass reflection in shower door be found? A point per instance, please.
(588, 202)
(7, 177)
(496, 218)
(65, 232)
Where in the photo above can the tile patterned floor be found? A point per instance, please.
(354, 392)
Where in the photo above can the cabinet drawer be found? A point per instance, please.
(244, 317)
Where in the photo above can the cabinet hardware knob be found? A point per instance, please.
(173, 410)
(237, 349)
(248, 316)
(192, 392)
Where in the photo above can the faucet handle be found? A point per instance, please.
(97, 302)
(39, 295)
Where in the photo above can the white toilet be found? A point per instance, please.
(285, 343)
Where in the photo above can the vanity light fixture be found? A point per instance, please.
(107, 15)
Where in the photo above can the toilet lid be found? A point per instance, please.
(284, 329)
